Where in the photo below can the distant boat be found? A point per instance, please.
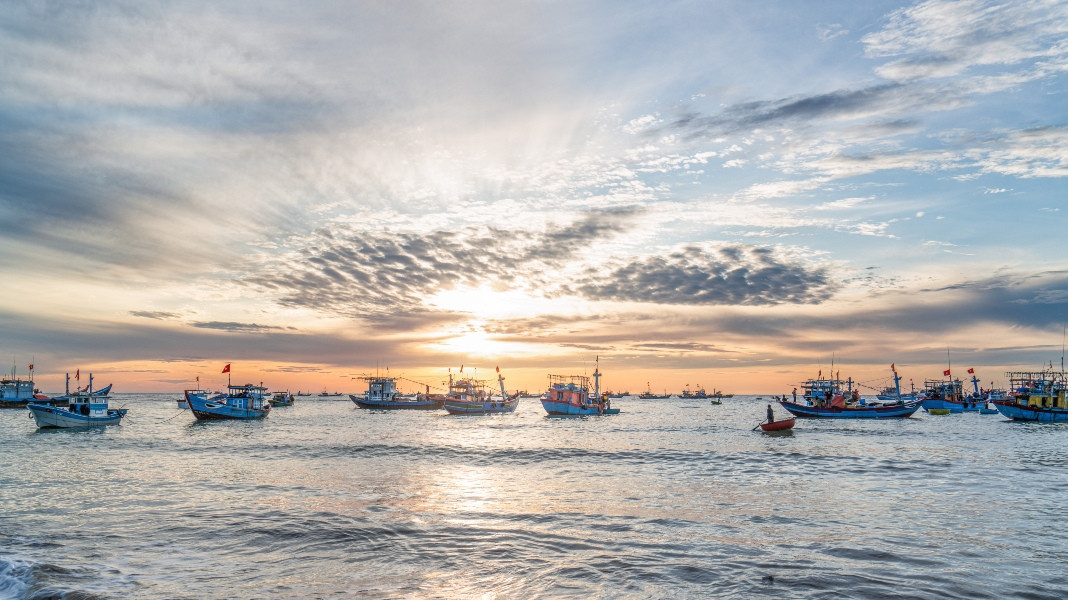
(837, 399)
(300, 393)
(892, 393)
(282, 399)
(85, 408)
(617, 395)
(570, 395)
(246, 401)
(649, 395)
(382, 394)
(1036, 396)
(470, 397)
(699, 394)
(718, 394)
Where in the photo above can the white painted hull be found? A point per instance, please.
(50, 416)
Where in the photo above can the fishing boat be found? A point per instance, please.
(893, 393)
(616, 394)
(468, 396)
(85, 408)
(571, 395)
(16, 392)
(948, 394)
(777, 425)
(246, 401)
(837, 399)
(649, 395)
(1036, 396)
(282, 399)
(382, 393)
(720, 395)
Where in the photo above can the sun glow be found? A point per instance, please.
(477, 343)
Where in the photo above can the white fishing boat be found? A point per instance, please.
(85, 408)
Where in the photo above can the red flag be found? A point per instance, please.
(31, 366)
(972, 371)
(820, 376)
(78, 374)
(461, 368)
(498, 368)
(946, 372)
(226, 369)
(892, 368)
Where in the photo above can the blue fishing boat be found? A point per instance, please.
(382, 394)
(949, 395)
(246, 401)
(282, 399)
(893, 393)
(85, 408)
(1036, 396)
(837, 399)
(570, 395)
(468, 396)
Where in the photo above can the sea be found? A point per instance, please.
(668, 499)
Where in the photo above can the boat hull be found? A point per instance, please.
(561, 409)
(892, 411)
(1018, 412)
(952, 406)
(207, 409)
(471, 407)
(778, 425)
(48, 417)
(419, 404)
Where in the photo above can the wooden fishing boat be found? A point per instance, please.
(778, 425)
(469, 396)
(85, 408)
(837, 399)
(282, 399)
(570, 395)
(1037, 396)
(382, 394)
(246, 401)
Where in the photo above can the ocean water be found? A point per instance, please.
(669, 499)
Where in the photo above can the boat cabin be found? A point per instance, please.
(248, 396)
(941, 389)
(572, 389)
(87, 405)
(381, 388)
(1039, 389)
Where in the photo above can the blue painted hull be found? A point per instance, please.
(1017, 412)
(953, 406)
(208, 409)
(897, 411)
(567, 409)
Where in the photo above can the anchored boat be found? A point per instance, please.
(246, 401)
(85, 408)
(382, 393)
(1036, 396)
(470, 397)
(837, 399)
(570, 395)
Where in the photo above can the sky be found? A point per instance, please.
(734, 195)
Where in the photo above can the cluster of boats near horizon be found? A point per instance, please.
(1034, 396)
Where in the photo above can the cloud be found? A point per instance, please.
(237, 327)
(155, 314)
(732, 275)
(940, 38)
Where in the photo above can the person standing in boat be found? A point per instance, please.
(771, 415)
